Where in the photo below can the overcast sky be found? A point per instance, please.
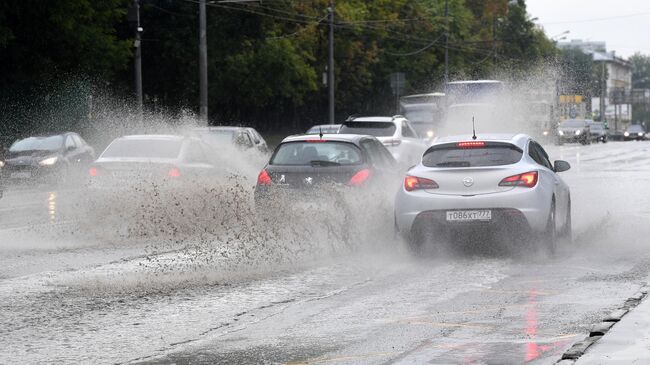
(623, 24)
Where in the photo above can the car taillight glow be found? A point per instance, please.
(528, 179)
(418, 183)
(315, 140)
(263, 178)
(392, 142)
(93, 171)
(359, 178)
(174, 172)
(470, 144)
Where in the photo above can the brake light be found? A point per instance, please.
(470, 144)
(359, 178)
(93, 171)
(174, 172)
(418, 183)
(315, 140)
(263, 178)
(528, 179)
(392, 142)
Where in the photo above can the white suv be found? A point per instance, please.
(396, 133)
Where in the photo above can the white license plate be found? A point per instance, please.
(21, 175)
(468, 215)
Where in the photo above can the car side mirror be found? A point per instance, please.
(561, 166)
(70, 148)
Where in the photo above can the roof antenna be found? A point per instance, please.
(473, 129)
(320, 132)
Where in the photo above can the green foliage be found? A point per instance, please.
(641, 71)
(266, 59)
(43, 39)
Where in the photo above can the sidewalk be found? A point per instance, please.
(628, 342)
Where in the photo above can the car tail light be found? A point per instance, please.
(174, 172)
(418, 183)
(359, 178)
(93, 171)
(392, 142)
(315, 140)
(528, 179)
(263, 178)
(470, 144)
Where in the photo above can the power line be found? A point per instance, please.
(417, 51)
(598, 19)
(305, 28)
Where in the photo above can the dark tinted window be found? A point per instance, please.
(635, 128)
(573, 124)
(407, 131)
(326, 129)
(377, 129)
(492, 154)
(377, 153)
(325, 153)
(144, 148)
(70, 143)
(37, 144)
(539, 155)
(216, 138)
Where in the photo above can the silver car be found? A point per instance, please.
(493, 182)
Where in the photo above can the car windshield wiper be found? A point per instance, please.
(453, 164)
(323, 163)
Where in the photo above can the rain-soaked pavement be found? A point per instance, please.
(68, 296)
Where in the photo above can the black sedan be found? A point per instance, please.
(49, 158)
(634, 132)
(302, 164)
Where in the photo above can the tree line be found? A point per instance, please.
(266, 59)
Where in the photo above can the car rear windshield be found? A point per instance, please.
(325, 129)
(377, 129)
(573, 124)
(216, 137)
(491, 154)
(143, 148)
(327, 153)
(52, 143)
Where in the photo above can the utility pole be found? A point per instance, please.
(330, 67)
(446, 43)
(137, 64)
(494, 40)
(603, 91)
(203, 65)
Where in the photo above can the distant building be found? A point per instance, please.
(618, 74)
(584, 46)
(617, 101)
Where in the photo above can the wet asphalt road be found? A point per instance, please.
(66, 296)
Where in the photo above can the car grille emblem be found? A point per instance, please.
(468, 181)
(309, 180)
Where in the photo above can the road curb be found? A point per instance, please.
(598, 330)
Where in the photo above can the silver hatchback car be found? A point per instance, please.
(495, 181)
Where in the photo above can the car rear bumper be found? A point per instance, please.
(523, 207)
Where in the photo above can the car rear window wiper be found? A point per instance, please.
(323, 163)
(453, 164)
